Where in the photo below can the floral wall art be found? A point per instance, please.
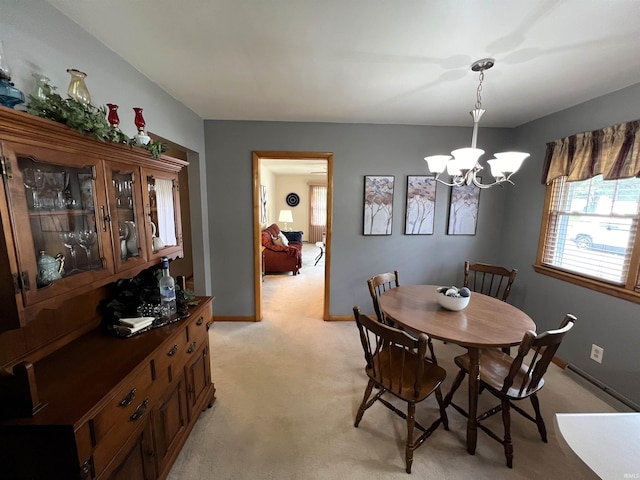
(463, 210)
(421, 202)
(378, 204)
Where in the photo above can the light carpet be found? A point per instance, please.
(288, 389)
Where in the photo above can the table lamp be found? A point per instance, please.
(285, 216)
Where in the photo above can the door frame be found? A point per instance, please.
(257, 230)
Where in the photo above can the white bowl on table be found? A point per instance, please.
(453, 303)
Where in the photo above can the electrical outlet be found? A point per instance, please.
(597, 353)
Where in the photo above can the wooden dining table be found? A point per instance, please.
(486, 322)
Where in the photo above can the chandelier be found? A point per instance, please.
(462, 165)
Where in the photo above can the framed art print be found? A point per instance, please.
(420, 206)
(463, 210)
(378, 204)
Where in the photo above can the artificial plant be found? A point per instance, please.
(84, 118)
(140, 291)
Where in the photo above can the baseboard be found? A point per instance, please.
(233, 318)
(560, 363)
(618, 396)
(340, 318)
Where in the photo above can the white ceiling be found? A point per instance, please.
(372, 61)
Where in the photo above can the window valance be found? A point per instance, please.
(613, 152)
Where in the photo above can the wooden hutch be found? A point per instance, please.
(75, 400)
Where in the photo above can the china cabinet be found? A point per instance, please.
(76, 401)
(78, 213)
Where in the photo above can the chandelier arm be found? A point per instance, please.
(439, 180)
(488, 185)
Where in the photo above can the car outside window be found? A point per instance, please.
(589, 232)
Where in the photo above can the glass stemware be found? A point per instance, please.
(33, 179)
(70, 240)
(86, 239)
(59, 182)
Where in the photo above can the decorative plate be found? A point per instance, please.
(293, 199)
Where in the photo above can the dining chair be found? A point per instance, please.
(380, 283)
(396, 363)
(492, 280)
(510, 380)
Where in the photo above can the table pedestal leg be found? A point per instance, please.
(474, 389)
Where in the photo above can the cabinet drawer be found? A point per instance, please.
(198, 329)
(170, 359)
(119, 419)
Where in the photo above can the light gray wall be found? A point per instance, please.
(602, 319)
(39, 39)
(359, 150)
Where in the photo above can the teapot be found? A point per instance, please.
(156, 242)
(49, 268)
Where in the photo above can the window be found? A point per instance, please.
(317, 213)
(589, 234)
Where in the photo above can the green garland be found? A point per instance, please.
(86, 119)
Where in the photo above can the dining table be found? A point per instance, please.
(485, 322)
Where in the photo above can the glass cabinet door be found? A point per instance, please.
(125, 203)
(163, 207)
(59, 221)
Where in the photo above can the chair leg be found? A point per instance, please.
(433, 355)
(508, 445)
(539, 421)
(411, 420)
(443, 409)
(456, 384)
(362, 408)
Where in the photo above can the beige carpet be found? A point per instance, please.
(288, 389)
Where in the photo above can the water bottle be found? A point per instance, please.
(167, 287)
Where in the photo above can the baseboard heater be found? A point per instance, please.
(621, 398)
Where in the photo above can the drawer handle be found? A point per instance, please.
(208, 326)
(85, 470)
(129, 398)
(140, 411)
(192, 347)
(199, 322)
(173, 350)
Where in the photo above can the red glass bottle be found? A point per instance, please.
(112, 117)
(139, 120)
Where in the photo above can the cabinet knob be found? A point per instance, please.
(199, 321)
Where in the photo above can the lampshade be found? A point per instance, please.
(285, 216)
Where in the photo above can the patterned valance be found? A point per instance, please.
(613, 152)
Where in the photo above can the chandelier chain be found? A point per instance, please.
(479, 91)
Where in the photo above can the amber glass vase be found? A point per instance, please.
(77, 88)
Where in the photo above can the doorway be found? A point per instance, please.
(259, 156)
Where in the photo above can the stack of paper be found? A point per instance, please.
(132, 325)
